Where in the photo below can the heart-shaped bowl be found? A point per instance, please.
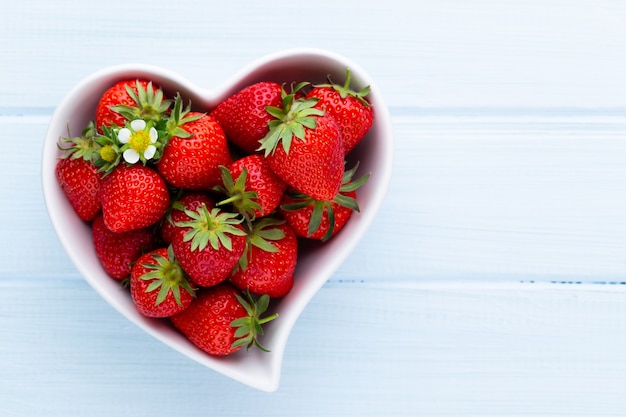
(316, 262)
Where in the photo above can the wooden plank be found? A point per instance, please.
(522, 197)
(506, 197)
(363, 350)
(537, 53)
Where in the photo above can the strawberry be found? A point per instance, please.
(118, 251)
(256, 190)
(209, 245)
(158, 284)
(313, 218)
(304, 148)
(129, 100)
(243, 115)
(269, 260)
(133, 197)
(195, 150)
(78, 176)
(188, 201)
(80, 182)
(351, 110)
(220, 322)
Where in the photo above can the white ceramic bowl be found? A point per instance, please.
(316, 262)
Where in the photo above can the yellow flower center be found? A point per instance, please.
(108, 153)
(139, 141)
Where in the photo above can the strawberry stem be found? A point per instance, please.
(268, 318)
(230, 200)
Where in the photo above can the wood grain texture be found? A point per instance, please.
(425, 53)
(491, 283)
(361, 350)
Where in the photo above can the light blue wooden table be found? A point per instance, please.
(500, 284)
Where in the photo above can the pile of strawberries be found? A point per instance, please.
(200, 213)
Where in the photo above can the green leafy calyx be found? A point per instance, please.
(179, 117)
(261, 234)
(345, 90)
(242, 200)
(249, 328)
(166, 276)
(211, 228)
(319, 206)
(149, 103)
(83, 146)
(291, 120)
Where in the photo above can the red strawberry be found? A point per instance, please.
(80, 182)
(243, 115)
(78, 176)
(195, 150)
(118, 251)
(312, 218)
(188, 201)
(209, 245)
(304, 148)
(256, 190)
(220, 322)
(128, 100)
(351, 110)
(133, 197)
(269, 261)
(158, 284)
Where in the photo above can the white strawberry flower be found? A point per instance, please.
(139, 141)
